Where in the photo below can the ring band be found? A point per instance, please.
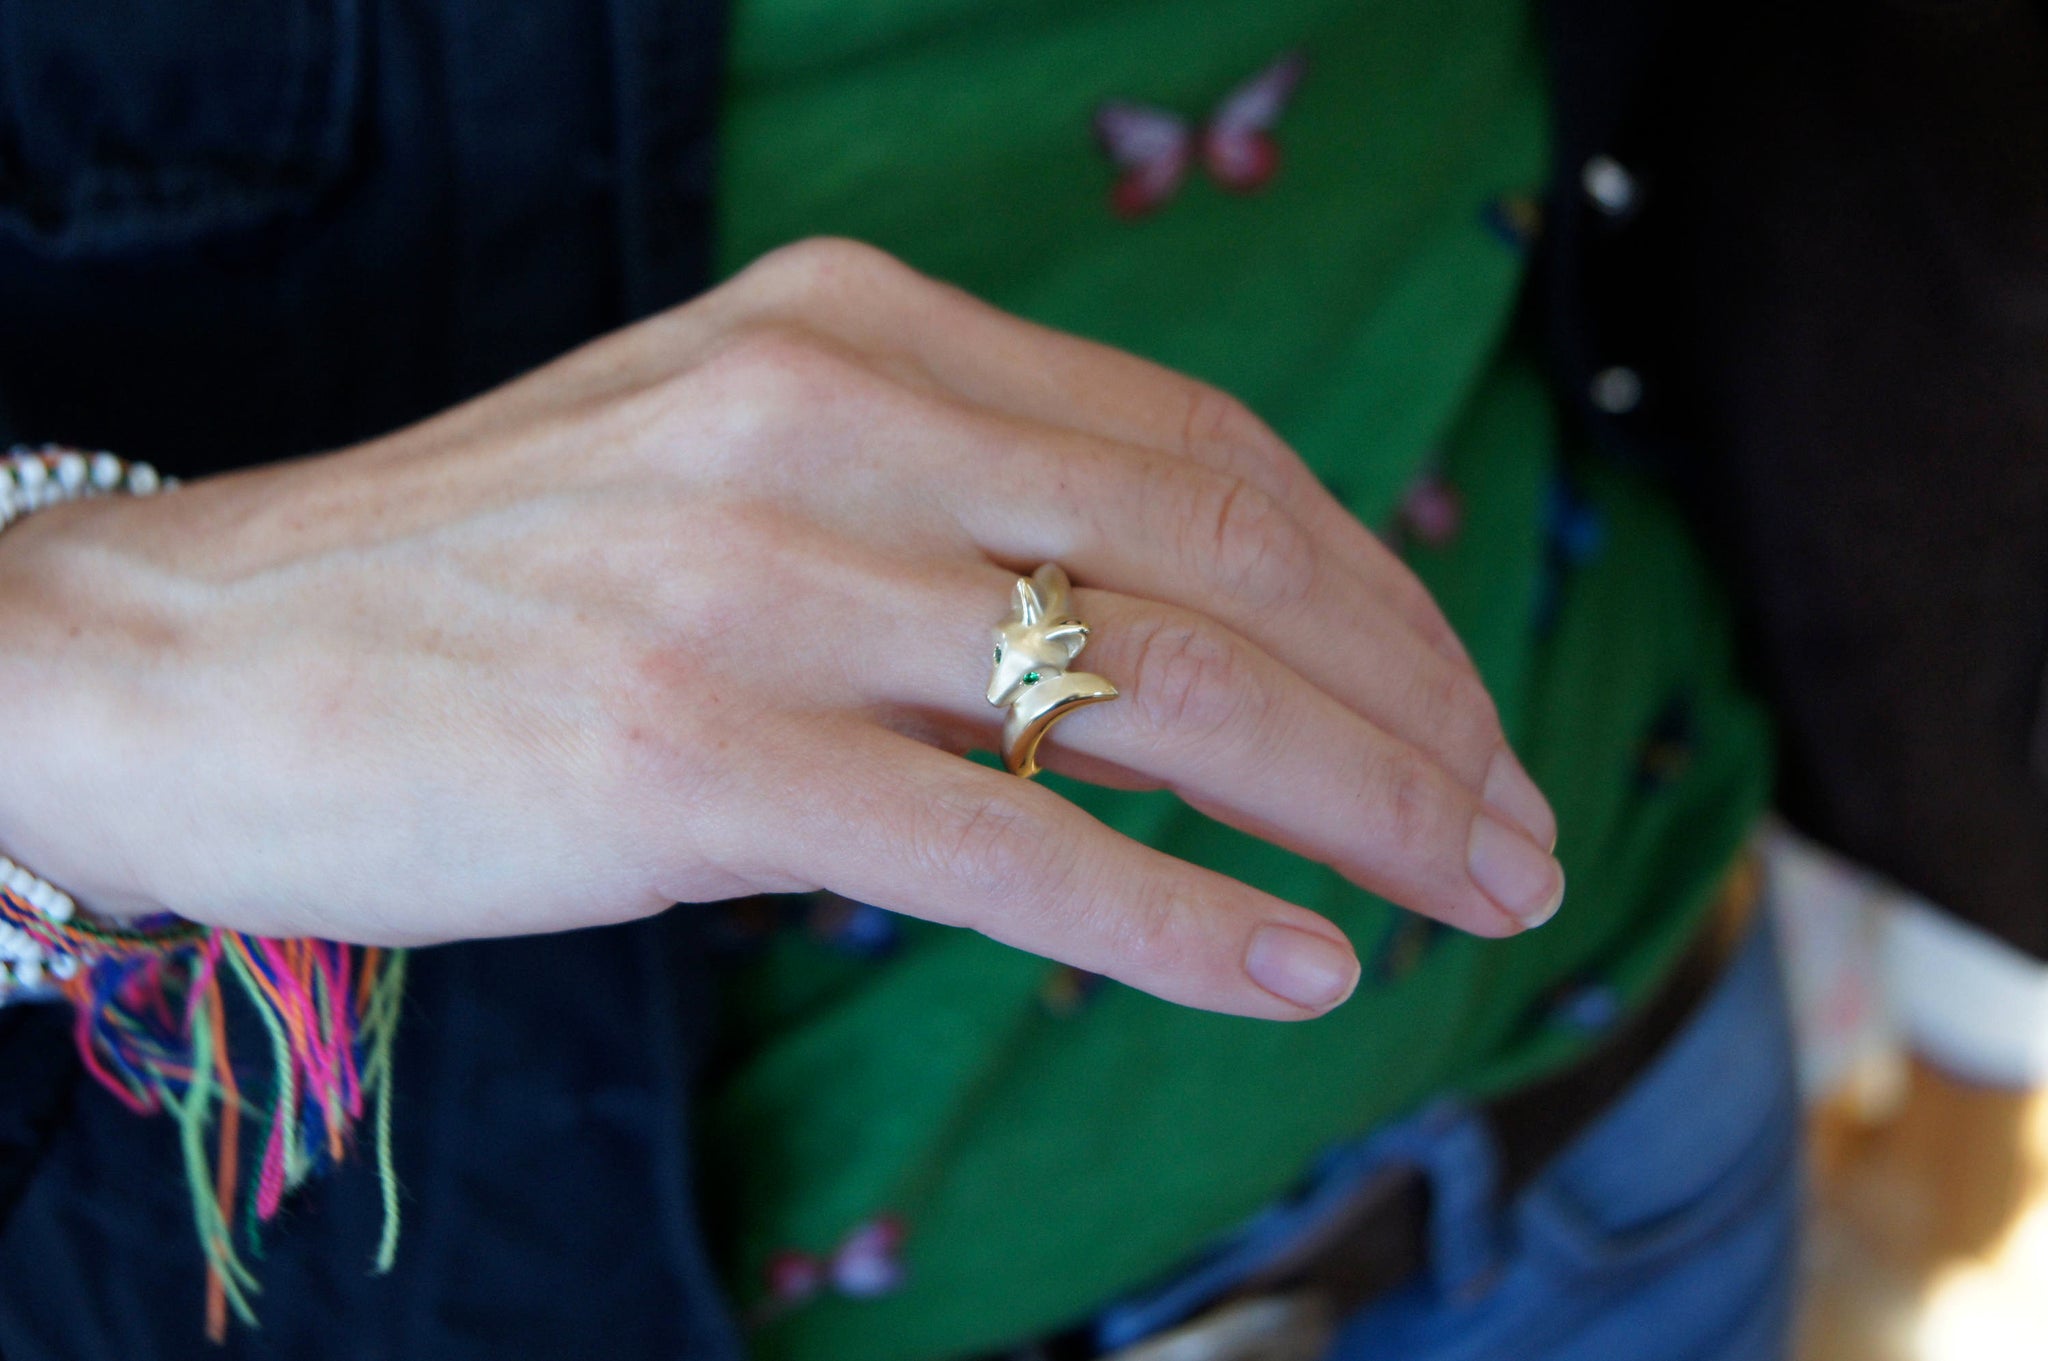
(1034, 646)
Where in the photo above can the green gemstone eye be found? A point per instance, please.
(999, 651)
(1031, 678)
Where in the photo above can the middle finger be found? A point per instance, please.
(1165, 528)
(1240, 736)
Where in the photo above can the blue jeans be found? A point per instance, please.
(1666, 1231)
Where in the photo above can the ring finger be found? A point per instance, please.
(1160, 527)
(1245, 739)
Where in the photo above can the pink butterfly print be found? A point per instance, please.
(865, 1265)
(1432, 511)
(1154, 147)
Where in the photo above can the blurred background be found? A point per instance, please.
(1924, 1063)
(1825, 246)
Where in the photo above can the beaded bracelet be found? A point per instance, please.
(44, 942)
(41, 943)
(31, 479)
(154, 1020)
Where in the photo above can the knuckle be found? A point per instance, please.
(817, 265)
(1455, 704)
(771, 373)
(774, 349)
(1216, 421)
(989, 847)
(1437, 630)
(1421, 609)
(1405, 788)
(1191, 683)
(1252, 547)
(1221, 432)
(1412, 600)
(1141, 930)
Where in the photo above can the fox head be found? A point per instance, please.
(1030, 648)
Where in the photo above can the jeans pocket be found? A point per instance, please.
(1578, 1242)
(1693, 1147)
(127, 128)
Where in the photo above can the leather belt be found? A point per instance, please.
(1290, 1309)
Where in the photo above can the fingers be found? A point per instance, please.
(1245, 739)
(1140, 522)
(993, 359)
(1156, 526)
(891, 821)
(1281, 669)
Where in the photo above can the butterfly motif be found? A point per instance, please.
(1432, 512)
(865, 1265)
(1154, 147)
(1067, 990)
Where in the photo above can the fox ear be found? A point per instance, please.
(1030, 609)
(1069, 635)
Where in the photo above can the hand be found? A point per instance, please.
(703, 609)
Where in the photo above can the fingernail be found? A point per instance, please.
(1301, 967)
(1515, 796)
(1514, 871)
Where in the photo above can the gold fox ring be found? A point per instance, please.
(1035, 645)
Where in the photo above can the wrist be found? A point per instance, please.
(71, 615)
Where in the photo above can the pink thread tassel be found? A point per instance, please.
(154, 1023)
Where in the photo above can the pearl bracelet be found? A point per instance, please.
(31, 479)
(39, 944)
(29, 964)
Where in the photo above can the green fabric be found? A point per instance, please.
(1041, 1153)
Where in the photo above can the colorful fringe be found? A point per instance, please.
(151, 1006)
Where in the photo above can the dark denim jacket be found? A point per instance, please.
(235, 231)
(232, 232)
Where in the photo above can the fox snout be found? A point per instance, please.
(1020, 662)
(1028, 655)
